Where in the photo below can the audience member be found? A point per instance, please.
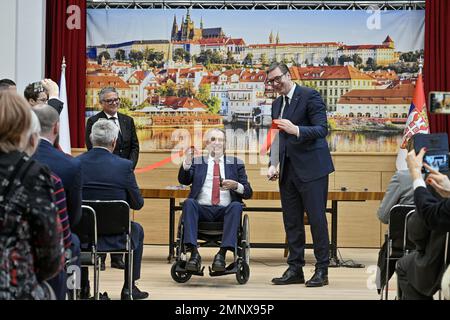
(7, 84)
(419, 273)
(399, 191)
(64, 166)
(213, 199)
(30, 236)
(99, 183)
(44, 92)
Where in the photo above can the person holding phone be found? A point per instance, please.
(213, 198)
(301, 161)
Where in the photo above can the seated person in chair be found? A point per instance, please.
(106, 176)
(419, 273)
(213, 199)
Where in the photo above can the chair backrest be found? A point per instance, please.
(397, 235)
(86, 229)
(113, 216)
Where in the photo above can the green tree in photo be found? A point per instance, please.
(120, 55)
(105, 55)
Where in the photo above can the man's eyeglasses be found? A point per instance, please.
(42, 100)
(277, 79)
(112, 101)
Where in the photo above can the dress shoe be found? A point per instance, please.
(195, 262)
(137, 294)
(319, 279)
(218, 263)
(118, 264)
(290, 277)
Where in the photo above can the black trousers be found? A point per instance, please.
(296, 198)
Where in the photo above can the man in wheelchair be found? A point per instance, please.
(213, 198)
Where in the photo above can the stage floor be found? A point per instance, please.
(345, 283)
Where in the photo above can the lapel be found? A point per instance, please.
(227, 167)
(203, 170)
(293, 103)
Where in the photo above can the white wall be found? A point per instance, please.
(22, 34)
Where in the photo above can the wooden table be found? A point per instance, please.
(334, 196)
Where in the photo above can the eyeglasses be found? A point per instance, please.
(277, 79)
(112, 101)
(42, 100)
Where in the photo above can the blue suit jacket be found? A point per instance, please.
(196, 175)
(69, 170)
(106, 176)
(309, 153)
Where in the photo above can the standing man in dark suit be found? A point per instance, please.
(109, 177)
(213, 199)
(127, 145)
(300, 158)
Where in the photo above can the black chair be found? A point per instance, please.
(113, 218)
(210, 234)
(397, 241)
(86, 230)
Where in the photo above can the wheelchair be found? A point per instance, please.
(210, 235)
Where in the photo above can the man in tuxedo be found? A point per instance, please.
(301, 160)
(419, 273)
(213, 198)
(127, 145)
(109, 177)
(44, 92)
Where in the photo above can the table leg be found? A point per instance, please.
(334, 261)
(171, 229)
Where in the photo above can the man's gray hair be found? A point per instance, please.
(283, 67)
(104, 132)
(47, 116)
(106, 90)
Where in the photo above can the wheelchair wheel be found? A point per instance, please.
(180, 277)
(243, 272)
(245, 241)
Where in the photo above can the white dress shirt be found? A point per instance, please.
(289, 95)
(204, 197)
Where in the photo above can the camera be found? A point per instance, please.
(436, 155)
(37, 87)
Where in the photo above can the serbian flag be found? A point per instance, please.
(64, 131)
(417, 122)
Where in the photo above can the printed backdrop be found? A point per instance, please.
(177, 69)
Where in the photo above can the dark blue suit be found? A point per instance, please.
(69, 170)
(108, 177)
(230, 215)
(305, 163)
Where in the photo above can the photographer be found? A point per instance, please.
(420, 272)
(44, 92)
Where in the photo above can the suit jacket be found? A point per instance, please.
(57, 104)
(196, 175)
(106, 176)
(109, 177)
(69, 170)
(309, 153)
(127, 146)
(399, 191)
(427, 229)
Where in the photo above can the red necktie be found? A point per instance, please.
(215, 196)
